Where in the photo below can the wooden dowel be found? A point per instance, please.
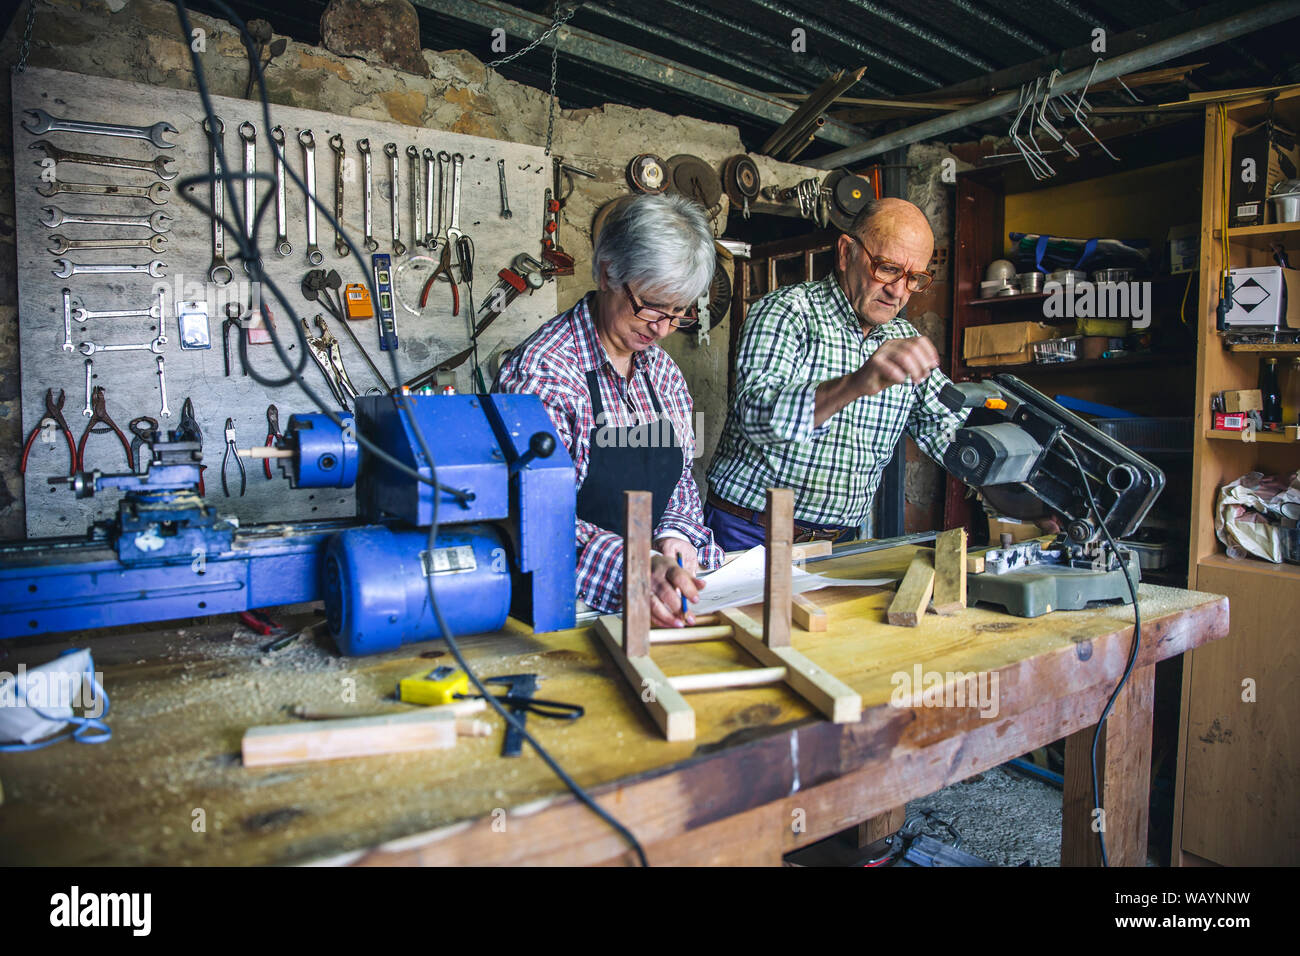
(266, 451)
(724, 679)
(689, 635)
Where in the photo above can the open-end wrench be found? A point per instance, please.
(54, 216)
(428, 199)
(67, 320)
(90, 369)
(156, 193)
(336, 144)
(453, 231)
(394, 193)
(444, 160)
(162, 387)
(156, 166)
(60, 244)
(157, 345)
(219, 272)
(43, 122)
(154, 312)
(308, 141)
(64, 269)
(367, 194)
(417, 218)
(248, 135)
(505, 200)
(282, 246)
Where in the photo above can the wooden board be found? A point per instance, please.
(277, 744)
(950, 572)
(807, 614)
(776, 577)
(131, 379)
(913, 596)
(665, 705)
(636, 573)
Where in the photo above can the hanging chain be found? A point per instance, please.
(558, 22)
(550, 114)
(27, 36)
(551, 34)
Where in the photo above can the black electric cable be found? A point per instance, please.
(1133, 652)
(248, 251)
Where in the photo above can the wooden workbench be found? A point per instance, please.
(764, 775)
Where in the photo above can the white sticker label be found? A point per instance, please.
(448, 560)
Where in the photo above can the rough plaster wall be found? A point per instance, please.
(138, 40)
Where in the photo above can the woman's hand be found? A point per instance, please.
(670, 548)
(668, 585)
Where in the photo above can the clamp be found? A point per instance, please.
(99, 417)
(225, 460)
(53, 416)
(272, 433)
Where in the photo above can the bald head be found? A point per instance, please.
(885, 230)
(891, 219)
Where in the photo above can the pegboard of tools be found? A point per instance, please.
(98, 172)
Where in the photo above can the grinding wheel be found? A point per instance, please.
(647, 173)
(695, 179)
(848, 194)
(740, 179)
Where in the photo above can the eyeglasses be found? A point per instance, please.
(647, 314)
(883, 270)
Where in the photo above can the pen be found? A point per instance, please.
(679, 564)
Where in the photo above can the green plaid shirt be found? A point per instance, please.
(794, 339)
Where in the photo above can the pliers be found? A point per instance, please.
(320, 352)
(100, 417)
(272, 433)
(190, 431)
(225, 460)
(53, 416)
(444, 268)
(145, 430)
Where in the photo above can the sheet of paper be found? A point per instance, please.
(740, 582)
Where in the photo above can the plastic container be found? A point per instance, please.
(1056, 351)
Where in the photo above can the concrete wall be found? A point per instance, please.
(139, 40)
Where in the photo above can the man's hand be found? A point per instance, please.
(668, 584)
(670, 548)
(895, 362)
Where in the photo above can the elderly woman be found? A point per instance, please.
(609, 388)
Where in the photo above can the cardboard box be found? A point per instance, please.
(1257, 294)
(1184, 246)
(1224, 422)
(1009, 343)
(1243, 400)
(1019, 530)
(1262, 157)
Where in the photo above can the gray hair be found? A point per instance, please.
(661, 244)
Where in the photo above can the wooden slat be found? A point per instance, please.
(636, 573)
(974, 564)
(807, 614)
(689, 635)
(269, 746)
(909, 604)
(721, 680)
(950, 572)
(666, 707)
(776, 580)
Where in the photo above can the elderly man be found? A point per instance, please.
(608, 388)
(827, 379)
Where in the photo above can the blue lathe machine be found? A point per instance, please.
(505, 515)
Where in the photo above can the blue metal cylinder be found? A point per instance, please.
(327, 455)
(376, 596)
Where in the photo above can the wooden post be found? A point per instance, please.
(950, 572)
(636, 573)
(914, 592)
(776, 580)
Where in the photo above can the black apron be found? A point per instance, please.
(645, 457)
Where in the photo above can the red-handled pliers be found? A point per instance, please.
(53, 415)
(100, 423)
(272, 433)
(444, 266)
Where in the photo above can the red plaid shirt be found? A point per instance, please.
(553, 364)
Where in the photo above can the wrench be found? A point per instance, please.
(154, 312)
(444, 159)
(390, 150)
(64, 269)
(363, 147)
(90, 367)
(282, 246)
(308, 141)
(60, 244)
(248, 134)
(54, 216)
(43, 122)
(417, 237)
(218, 267)
(67, 323)
(505, 200)
(453, 231)
(428, 199)
(162, 386)
(336, 144)
(157, 345)
(152, 193)
(156, 166)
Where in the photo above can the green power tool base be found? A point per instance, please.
(1040, 588)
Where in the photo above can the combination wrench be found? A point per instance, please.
(453, 231)
(54, 216)
(90, 368)
(444, 160)
(394, 191)
(42, 122)
(367, 194)
(154, 312)
(428, 198)
(60, 244)
(219, 267)
(308, 142)
(336, 144)
(67, 320)
(157, 345)
(64, 269)
(282, 246)
(162, 386)
(505, 200)
(156, 166)
(155, 193)
(417, 237)
(248, 135)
